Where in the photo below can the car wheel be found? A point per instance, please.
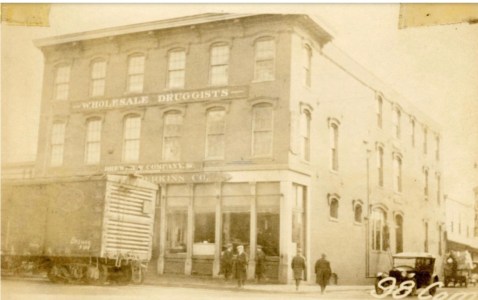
(378, 290)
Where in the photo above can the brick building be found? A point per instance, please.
(257, 130)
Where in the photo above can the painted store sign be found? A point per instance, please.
(163, 98)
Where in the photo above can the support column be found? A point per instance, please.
(190, 238)
(216, 266)
(251, 269)
(162, 230)
(287, 197)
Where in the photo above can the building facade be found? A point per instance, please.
(258, 132)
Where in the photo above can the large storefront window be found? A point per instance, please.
(204, 219)
(298, 216)
(236, 218)
(268, 220)
(177, 219)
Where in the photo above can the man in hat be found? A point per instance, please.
(298, 266)
(227, 261)
(323, 272)
(260, 263)
(241, 266)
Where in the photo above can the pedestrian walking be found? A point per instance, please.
(298, 266)
(260, 264)
(241, 266)
(227, 260)
(322, 272)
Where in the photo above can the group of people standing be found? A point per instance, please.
(236, 265)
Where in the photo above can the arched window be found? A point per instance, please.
(398, 234)
(305, 134)
(334, 208)
(173, 121)
(397, 115)
(379, 111)
(358, 213)
(215, 133)
(219, 69)
(397, 173)
(438, 188)
(57, 143)
(412, 134)
(264, 57)
(379, 231)
(380, 165)
(262, 129)
(135, 73)
(425, 187)
(176, 69)
(425, 141)
(62, 82)
(307, 64)
(131, 138)
(334, 145)
(98, 75)
(437, 150)
(93, 141)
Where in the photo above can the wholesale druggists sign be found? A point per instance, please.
(162, 98)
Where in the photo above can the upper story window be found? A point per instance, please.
(93, 141)
(173, 122)
(380, 165)
(397, 173)
(136, 73)
(305, 134)
(307, 64)
(334, 145)
(265, 52)
(176, 69)
(62, 82)
(215, 133)
(262, 129)
(412, 134)
(425, 188)
(98, 75)
(57, 143)
(131, 138)
(334, 208)
(379, 230)
(437, 150)
(438, 188)
(358, 212)
(219, 72)
(379, 111)
(425, 141)
(398, 234)
(397, 122)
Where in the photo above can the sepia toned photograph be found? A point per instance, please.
(239, 151)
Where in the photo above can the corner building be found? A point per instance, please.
(258, 132)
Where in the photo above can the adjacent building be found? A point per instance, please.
(258, 132)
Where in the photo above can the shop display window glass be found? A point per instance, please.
(268, 217)
(236, 220)
(204, 219)
(177, 219)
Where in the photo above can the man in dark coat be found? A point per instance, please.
(322, 272)
(260, 263)
(241, 266)
(298, 266)
(227, 262)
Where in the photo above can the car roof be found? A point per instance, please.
(413, 255)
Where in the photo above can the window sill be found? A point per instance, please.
(131, 93)
(332, 219)
(263, 80)
(175, 89)
(358, 223)
(336, 172)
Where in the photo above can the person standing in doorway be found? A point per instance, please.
(298, 266)
(260, 264)
(322, 272)
(227, 261)
(241, 266)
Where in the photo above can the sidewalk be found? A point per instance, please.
(219, 284)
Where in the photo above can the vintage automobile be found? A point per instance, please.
(417, 267)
